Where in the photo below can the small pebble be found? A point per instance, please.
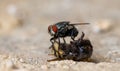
(11, 9)
(102, 26)
(65, 67)
(9, 64)
(44, 67)
(21, 60)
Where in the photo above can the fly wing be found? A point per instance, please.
(79, 23)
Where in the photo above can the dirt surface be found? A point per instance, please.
(24, 39)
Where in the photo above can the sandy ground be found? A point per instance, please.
(24, 40)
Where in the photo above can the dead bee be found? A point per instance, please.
(77, 50)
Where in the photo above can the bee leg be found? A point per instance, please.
(55, 52)
(51, 54)
(88, 60)
(59, 47)
(54, 59)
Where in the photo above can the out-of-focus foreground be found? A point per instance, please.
(24, 40)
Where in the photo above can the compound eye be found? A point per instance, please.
(54, 28)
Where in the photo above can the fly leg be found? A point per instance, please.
(72, 35)
(52, 40)
(59, 41)
(82, 36)
(73, 38)
(64, 40)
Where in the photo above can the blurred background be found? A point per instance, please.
(24, 24)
